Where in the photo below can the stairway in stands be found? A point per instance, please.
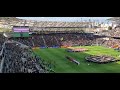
(57, 41)
(33, 42)
(44, 41)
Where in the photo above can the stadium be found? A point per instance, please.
(59, 47)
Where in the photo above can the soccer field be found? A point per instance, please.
(62, 65)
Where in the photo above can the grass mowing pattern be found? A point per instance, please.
(57, 55)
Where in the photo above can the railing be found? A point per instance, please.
(1, 65)
(3, 58)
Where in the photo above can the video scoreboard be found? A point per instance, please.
(20, 31)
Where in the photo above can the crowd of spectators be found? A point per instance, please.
(51, 40)
(18, 59)
(75, 39)
(69, 39)
(112, 33)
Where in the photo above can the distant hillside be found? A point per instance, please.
(114, 19)
(9, 19)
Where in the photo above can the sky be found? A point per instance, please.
(67, 19)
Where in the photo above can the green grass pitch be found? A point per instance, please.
(62, 65)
